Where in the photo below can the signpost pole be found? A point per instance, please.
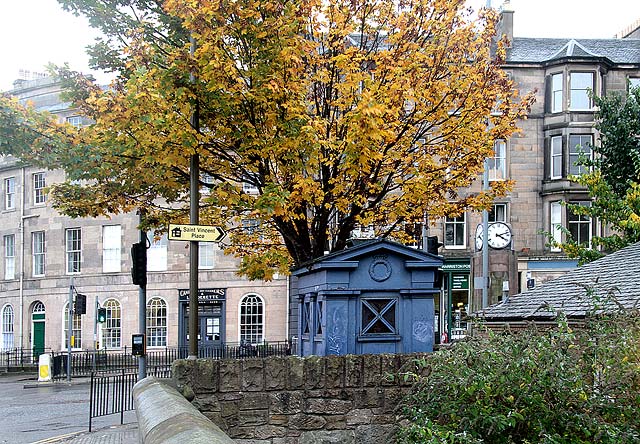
(194, 201)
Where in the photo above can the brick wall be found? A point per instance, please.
(341, 399)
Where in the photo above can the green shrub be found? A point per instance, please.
(555, 386)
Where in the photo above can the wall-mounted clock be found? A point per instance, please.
(499, 235)
(479, 236)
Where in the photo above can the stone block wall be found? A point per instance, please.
(343, 399)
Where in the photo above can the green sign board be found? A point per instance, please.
(460, 282)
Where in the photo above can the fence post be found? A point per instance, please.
(91, 400)
(122, 399)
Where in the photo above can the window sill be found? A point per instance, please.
(379, 338)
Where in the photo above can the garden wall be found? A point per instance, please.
(291, 400)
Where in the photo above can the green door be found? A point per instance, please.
(38, 335)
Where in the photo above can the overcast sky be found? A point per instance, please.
(36, 32)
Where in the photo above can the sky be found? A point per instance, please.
(34, 33)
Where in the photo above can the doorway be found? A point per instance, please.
(37, 329)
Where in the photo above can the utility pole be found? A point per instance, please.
(142, 301)
(194, 218)
(70, 327)
(485, 243)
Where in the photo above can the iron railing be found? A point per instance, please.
(83, 362)
(19, 358)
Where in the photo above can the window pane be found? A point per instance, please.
(74, 250)
(556, 157)
(38, 252)
(10, 193)
(157, 253)
(498, 213)
(9, 256)
(111, 248)
(111, 329)
(579, 144)
(378, 316)
(579, 226)
(206, 255)
(251, 320)
(556, 91)
(77, 329)
(7, 328)
(455, 235)
(498, 163)
(156, 323)
(39, 196)
(581, 82)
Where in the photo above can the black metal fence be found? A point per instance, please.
(84, 362)
(20, 358)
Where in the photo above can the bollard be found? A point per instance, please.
(44, 368)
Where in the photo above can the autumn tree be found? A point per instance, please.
(613, 177)
(334, 114)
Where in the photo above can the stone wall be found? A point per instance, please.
(343, 399)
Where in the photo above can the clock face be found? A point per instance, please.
(499, 235)
(479, 235)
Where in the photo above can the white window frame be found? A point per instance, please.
(156, 322)
(111, 248)
(39, 184)
(556, 92)
(555, 218)
(580, 91)
(73, 250)
(76, 329)
(251, 319)
(498, 213)
(8, 328)
(555, 157)
(634, 82)
(206, 255)
(456, 223)
(9, 256)
(157, 253)
(579, 222)
(75, 121)
(574, 152)
(112, 327)
(498, 163)
(38, 253)
(10, 193)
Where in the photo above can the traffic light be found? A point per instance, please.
(80, 304)
(139, 267)
(433, 245)
(102, 315)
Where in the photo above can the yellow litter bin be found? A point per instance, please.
(44, 368)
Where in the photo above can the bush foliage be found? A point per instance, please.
(559, 385)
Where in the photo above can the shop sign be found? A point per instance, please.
(456, 266)
(460, 282)
(204, 294)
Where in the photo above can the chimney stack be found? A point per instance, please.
(505, 26)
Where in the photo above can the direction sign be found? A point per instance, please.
(202, 233)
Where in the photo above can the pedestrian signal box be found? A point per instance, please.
(102, 315)
(138, 346)
(80, 305)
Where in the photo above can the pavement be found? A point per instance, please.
(118, 434)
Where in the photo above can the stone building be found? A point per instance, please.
(540, 159)
(44, 253)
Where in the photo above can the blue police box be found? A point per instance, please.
(374, 297)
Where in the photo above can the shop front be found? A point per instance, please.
(454, 300)
(211, 317)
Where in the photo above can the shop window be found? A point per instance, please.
(112, 329)
(251, 319)
(156, 323)
(378, 316)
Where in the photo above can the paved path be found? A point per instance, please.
(120, 434)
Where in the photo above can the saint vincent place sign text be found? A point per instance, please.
(202, 233)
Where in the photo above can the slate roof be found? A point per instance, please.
(540, 50)
(615, 279)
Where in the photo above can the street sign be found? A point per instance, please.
(202, 233)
